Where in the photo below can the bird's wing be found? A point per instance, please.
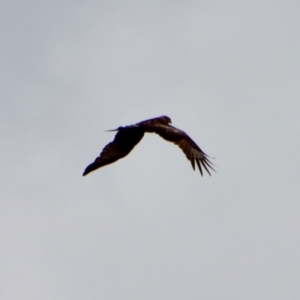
(186, 144)
(110, 153)
(124, 142)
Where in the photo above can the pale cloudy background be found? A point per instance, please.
(148, 227)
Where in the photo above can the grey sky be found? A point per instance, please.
(148, 227)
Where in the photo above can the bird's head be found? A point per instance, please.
(165, 120)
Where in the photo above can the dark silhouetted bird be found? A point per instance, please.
(129, 136)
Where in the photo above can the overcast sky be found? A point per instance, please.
(149, 227)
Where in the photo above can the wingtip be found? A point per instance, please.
(90, 168)
(86, 171)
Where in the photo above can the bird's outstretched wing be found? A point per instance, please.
(186, 144)
(125, 140)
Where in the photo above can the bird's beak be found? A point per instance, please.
(111, 130)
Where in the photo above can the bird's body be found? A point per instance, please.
(129, 136)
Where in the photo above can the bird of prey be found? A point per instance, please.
(129, 136)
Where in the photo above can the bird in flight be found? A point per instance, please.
(129, 136)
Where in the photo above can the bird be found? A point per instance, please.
(128, 137)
